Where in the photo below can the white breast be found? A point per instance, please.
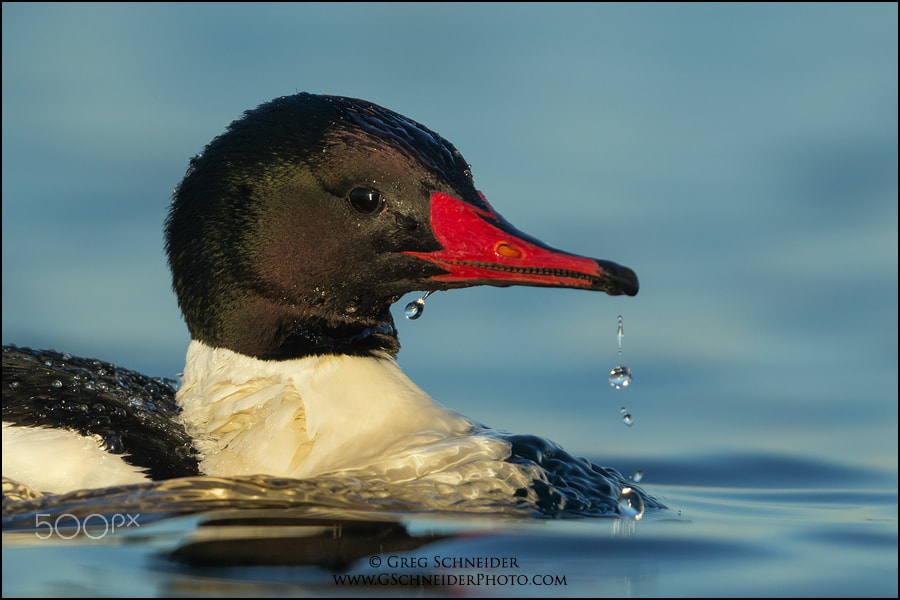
(306, 417)
(344, 416)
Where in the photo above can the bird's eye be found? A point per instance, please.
(366, 201)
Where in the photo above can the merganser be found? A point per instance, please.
(288, 240)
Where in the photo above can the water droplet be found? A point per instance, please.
(620, 333)
(56, 383)
(415, 308)
(628, 419)
(13, 384)
(620, 377)
(99, 423)
(113, 444)
(630, 504)
(638, 475)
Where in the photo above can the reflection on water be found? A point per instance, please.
(286, 538)
(804, 540)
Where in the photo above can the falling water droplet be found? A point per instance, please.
(415, 308)
(628, 419)
(638, 475)
(620, 377)
(620, 333)
(630, 504)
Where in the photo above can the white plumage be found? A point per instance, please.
(61, 461)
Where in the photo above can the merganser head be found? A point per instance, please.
(296, 229)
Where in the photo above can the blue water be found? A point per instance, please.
(739, 525)
(741, 158)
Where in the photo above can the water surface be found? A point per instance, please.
(739, 525)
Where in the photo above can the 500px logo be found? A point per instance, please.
(94, 526)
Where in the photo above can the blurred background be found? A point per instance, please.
(741, 158)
